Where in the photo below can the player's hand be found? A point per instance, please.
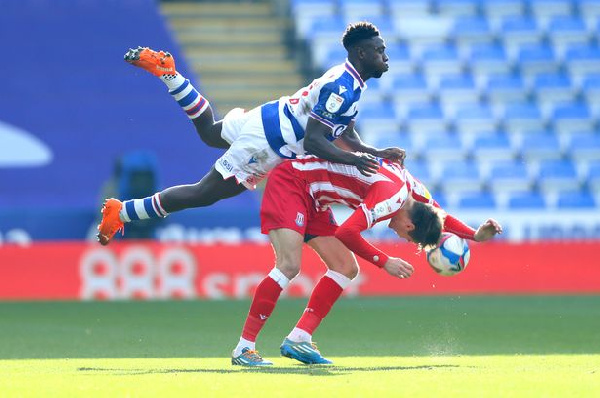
(487, 230)
(398, 267)
(365, 163)
(394, 154)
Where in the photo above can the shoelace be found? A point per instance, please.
(252, 354)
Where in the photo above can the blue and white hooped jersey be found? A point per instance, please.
(331, 99)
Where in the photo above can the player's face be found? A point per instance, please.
(402, 224)
(375, 58)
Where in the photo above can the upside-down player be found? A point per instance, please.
(260, 139)
(296, 209)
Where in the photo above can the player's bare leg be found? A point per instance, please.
(210, 189)
(162, 65)
(287, 245)
(343, 267)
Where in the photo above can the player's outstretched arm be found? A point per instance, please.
(487, 230)
(399, 268)
(316, 143)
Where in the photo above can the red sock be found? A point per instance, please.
(324, 295)
(265, 297)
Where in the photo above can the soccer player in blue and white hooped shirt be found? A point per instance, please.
(256, 141)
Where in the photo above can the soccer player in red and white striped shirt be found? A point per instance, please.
(296, 208)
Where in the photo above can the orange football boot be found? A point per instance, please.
(111, 223)
(158, 63)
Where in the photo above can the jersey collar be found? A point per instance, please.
(354, 74)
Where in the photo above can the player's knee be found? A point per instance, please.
(290, 269)
(351, 271)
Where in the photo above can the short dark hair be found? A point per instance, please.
(428, 221)
(357, 32)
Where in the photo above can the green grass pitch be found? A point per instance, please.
(470, 346)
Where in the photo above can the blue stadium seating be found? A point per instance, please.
(526, 200)
(513, 85)
(576, 199)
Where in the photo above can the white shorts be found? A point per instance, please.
(250, 158)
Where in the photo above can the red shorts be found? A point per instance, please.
(286, 203)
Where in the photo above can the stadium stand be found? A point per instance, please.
(503, 96)
(497, 97)
(68, 95)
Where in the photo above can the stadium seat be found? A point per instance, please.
(522, 117)
(374, 117)
(590, 9)
(516, 32)
(527, 200)
(585, 148)
(590, 89)
(438, 61)
(405, 9)
(486, 60)
(455, 91)
(575, 200)
(553, 89)
(470, 119)
(460, 177)
(534, 60)
(593, 177)
(492, 148)
(410, 88)
(506, 90)
(400, 60)
(582, 60)
(444, 148)
(425, 118)
(496, 11)
(361, 10)
(305, 12)
(422, 31)
(568, 31)
(457, 8)
(546, 9)
(539, 147)
(572, 117)
(558, 175)
(509, 176)
(477, 200)
(470, 31)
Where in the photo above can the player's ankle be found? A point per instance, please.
(173, 81)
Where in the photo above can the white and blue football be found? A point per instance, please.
(451, 256)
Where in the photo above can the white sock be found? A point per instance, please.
(173, 81)
(243, 344)
(299, 335)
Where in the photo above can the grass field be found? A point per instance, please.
(382, 347)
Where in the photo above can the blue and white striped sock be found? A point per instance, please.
(186, 95)
(142, 209)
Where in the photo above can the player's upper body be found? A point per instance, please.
(310, 119)
(390, 194)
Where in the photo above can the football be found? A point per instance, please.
(451, 256)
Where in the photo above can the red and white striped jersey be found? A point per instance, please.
(385, 192)
(374, 198)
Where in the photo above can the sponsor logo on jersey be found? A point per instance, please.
(300, 219)
(334, 103)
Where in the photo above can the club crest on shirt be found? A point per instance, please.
(334, 103)
(300, 219)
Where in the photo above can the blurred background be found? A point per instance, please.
(497, 103)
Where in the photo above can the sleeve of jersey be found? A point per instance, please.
(459, 228)
(330, 104)
(381, 203)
